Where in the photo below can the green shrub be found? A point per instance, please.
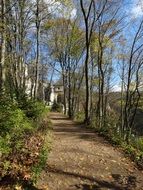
(80, 116)
(36, 170)
(140, 144)
(18, 121)
(13, 120)
(5, 147)
(33, 109)
(57, 107)
(137, 142)
(45, 149)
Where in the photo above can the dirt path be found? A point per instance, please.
(81, 160)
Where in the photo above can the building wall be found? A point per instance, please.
(55, 92)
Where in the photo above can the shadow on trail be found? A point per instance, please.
(68, 128)
(76, 129)
(11, 182)
(60, 118)
(119, 183)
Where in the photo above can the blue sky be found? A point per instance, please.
(133, 10)
(136, 8)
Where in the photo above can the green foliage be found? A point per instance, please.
(5, 144)
(111, 132)
(68, 36)
(18, 121)
(42, 161)
(80, 116)
(137, 142)
(140, 144)
(45, 149)
(14, 125)
(12, 120)
(57, 107)
(33, 109)
(130, 149)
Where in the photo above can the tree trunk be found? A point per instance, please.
(65, 91)
(3, 46)
(69, 92)
(37, 51)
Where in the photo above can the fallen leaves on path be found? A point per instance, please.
(79, 161)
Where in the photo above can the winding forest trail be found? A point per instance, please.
(81, 160)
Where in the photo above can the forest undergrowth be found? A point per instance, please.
(24, 143)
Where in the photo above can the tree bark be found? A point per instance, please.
(3, 46)
(37, 50)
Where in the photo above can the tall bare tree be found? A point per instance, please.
(3, 45)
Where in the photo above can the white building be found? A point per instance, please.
(49, 93)
(56, 93)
